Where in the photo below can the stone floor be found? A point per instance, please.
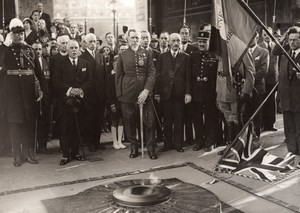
(23, 189)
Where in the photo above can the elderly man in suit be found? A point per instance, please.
(72, 80)
(135, 78)
(261, 60)
(269, 108)
(96, 98)
(43, 15)
(289, 90)
(174, 89)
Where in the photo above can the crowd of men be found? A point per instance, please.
(61, 82)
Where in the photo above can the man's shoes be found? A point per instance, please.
(164, 149)
(221, 152)
(180, 150)
(78, 157)
(272, 129)
(207, 149)
(44, 151)
(64, 161)
(134, 153)
(152, 155)
(17, 162)
(92, 148)
(197, 147)
(31, 160)
(100, 146)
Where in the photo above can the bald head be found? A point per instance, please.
(175, 41)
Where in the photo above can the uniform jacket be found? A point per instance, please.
(65, 76)
(226, 91)
(289, 84)
(204, 76)
(98, 73)
(174, 80)
(261, 62)
(272, 76)
(135, 72)
(20, 89)
(190, 49)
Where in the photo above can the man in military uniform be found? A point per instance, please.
(204, 74)
(229, 99)
(135, 78)
(20, 77)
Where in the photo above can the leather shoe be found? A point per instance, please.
(31, 160)
(44, 151)
(17, 161)
(197, 147)
(152, 155)
(207, 149)
(64, 161)
(134, 153)
(78, 157)
(92, 149)
(164, 149)
(100, 146)
(180, 150)
(273, 129)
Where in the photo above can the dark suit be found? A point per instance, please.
(135, 72)
(174, 81)
(64, 77)
(188, 109)
(96, 98)
(289, 90)
(76, 37)
(20, 96)
(261, 62)
(47, 19)
(204, 76)
(269, 108)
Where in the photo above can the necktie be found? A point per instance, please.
(93, 53)
(293, 55)
(74, 64)
(290, 71)
(269, 47)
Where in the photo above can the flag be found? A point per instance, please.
(248, 159)
(232, 31)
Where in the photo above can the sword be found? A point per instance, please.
(141, 126)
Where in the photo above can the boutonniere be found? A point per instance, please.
(257, 58)
(83, 69)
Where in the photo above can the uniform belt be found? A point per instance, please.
(134, 74)
(19, 72)
(201, 79)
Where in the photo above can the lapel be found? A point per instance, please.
(291, 67)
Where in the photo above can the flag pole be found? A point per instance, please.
(257, 20)
(245, 126)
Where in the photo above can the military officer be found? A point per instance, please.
(21, 81)
(204, 74)
(135, 78)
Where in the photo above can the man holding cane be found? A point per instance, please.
(135, 78)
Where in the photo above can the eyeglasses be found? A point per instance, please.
(37, 48)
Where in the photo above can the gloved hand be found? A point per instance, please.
(113, 108)
(244, 98)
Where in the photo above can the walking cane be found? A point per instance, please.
(79, 135)
(141, 126)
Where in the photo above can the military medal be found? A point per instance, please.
(141, 62)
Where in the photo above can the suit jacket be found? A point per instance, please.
(261, 62)
(65, 76)
(47, 19)
(174, 80)
(77, 37)
(272, 76)
(98, 72)
(135, 72)
(289, 84)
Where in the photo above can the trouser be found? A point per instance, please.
(269, 108)
(22, 138)
(188, 122)
(173, 116)
(130, 112)
(44, 122)
(291, 121)
(205, 122)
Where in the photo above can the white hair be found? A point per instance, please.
(89, 37)
(60, 38)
